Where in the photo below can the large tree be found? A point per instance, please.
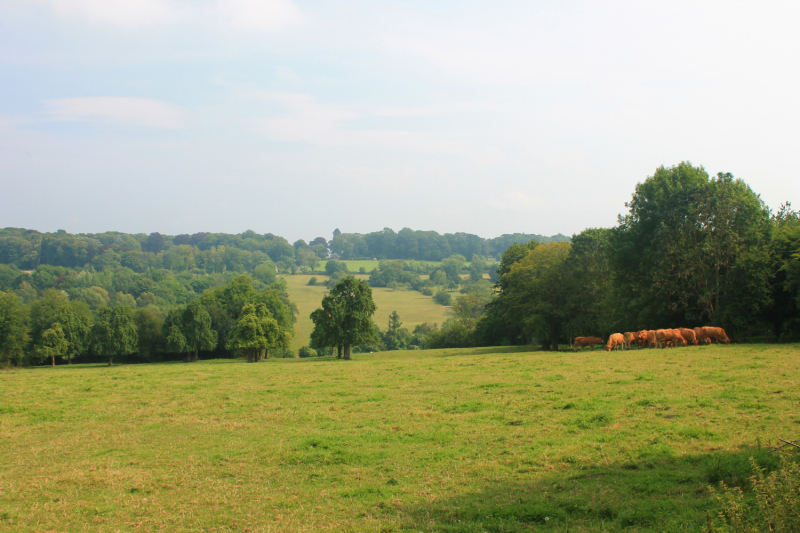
(114, 333)
(52, 344)
(537, 292)
(76, 322)
(692, 248)
(13, 329)
(256, 332)
(345, 317)
(196, 327)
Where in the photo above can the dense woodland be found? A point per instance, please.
(691, 250)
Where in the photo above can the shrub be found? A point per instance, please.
(443, 298)
(427, 291)
(305, 351)
(776, 507)
(313, 280)
(362, 270)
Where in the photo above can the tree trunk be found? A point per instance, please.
(266, 353)
(347, 352)
(194, 356)
(69, 359)
(53, 359)
(188, 357)
(110, 360)
(554, 342)
(339, 352)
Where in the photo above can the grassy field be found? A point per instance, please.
(412, 306)
(352, 266)
(471, 440)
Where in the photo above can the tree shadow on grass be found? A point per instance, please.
(649, 494)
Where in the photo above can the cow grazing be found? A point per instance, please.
(641, 338)
(688, 335)
(580, 342)
(676, 337)
(629, 337)
(702, 336)
(718, 334)
(616, 340)
(662, 336)
(652, 341)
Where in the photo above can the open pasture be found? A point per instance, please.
(413, 307)
(483, 439)
(352, 266)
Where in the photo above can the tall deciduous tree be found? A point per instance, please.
(346, 316)
(256, 332)
(52, 344)
(537, 292)
(692, 248)
(196, 326)
(13, 329)
(76, 323)
(114, 333)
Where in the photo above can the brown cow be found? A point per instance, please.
(676, 337)
(629, 338)
(652, 341)
(580, 342)
(662, 336)
(702, 336)
(718, 334)
(614, 341)
(688, 335)
(641, 339)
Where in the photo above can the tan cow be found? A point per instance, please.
(616, 340)
(580, 342)
(718, 334)
(688, 335)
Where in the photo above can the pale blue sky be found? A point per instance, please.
(299, 117)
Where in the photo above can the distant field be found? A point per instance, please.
(353, 266)
(412, 306)
(496, 440)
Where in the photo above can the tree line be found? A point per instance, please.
(692, 250)
(239, 318)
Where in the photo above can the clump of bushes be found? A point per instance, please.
(306, 351)
(775, 507)
(443, 298)
(312, 280)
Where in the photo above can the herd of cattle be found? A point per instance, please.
(659, 338)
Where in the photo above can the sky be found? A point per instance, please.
(298, 117)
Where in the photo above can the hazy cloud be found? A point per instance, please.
(129, 111)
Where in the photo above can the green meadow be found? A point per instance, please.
(413, 307)
(455, 440)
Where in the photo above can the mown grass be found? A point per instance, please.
(412, 306)
(473, 440)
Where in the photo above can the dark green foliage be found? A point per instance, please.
(392, 272)
(443, 298)
(345, 318)
(332, 267)
(306, 351)
(13, 330)
(114, 333)
(692, 248)
(396, 337)
(312, 280)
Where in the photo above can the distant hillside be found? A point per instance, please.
(27, 249)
